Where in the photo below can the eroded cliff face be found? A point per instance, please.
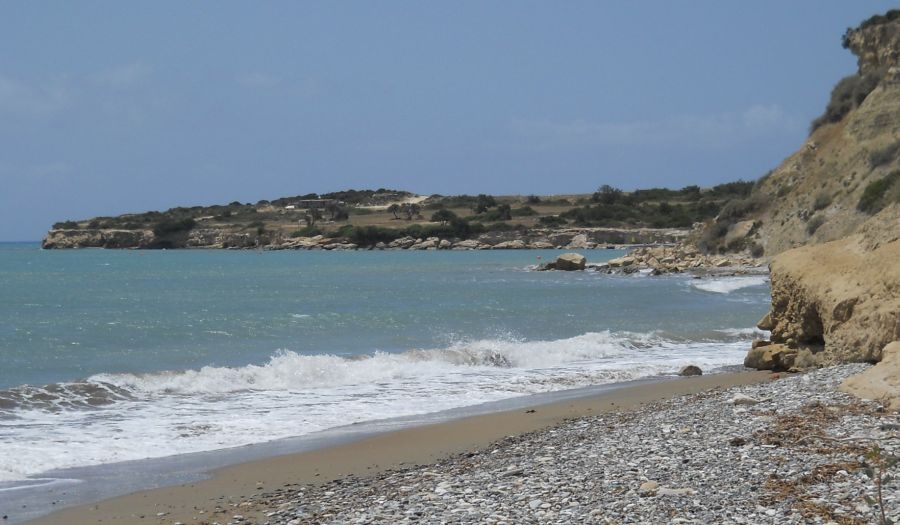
(836, 267)
(835, 302)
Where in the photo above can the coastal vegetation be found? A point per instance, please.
(366, 217)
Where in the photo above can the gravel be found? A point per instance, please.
(792, 450)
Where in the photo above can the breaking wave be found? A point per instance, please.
(116, 417)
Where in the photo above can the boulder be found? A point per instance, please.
(580, 242)
(445, 244)
(690, 370)
(541, 245)
(516, 244)
(427, 244)
(881, 382)
(468, 244)
(777, 357)
(621, 261)
(570, 262)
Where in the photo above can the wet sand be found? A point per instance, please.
(221, 497)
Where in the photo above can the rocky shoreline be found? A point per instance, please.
(660, 260)
(793, 450)
(211, 238)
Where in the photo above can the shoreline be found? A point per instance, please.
(373, 454)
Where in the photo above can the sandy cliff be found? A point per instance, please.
(832, 220)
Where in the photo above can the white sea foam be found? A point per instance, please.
(726, 285)
(117, 417)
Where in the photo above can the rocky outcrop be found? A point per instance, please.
(682, 258)
(881, 382)
(98, 238)
(836, 302)
(876, 42)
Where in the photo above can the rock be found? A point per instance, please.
(690, 370)
(776, 357)
(429, 243)
(743, 399)
(759, 343)
(580, 242)
(468, 244)
(445, 244)
(837, 301)
(766, 323)
(881, 382)
(516, 244)
(648, 488)
(571, 262)
(541, 245)
(620, 262)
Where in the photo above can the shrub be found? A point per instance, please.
(880, 193)
(171, 226)
(552, 220)
(814, 224)
(66, 225)
(884, 155)
(738, 188)
(847, 94)
(524, 211)
(822, 201)
(306, 232)
(533, 199)
(738, 209)
(443, 216)
(757, 250)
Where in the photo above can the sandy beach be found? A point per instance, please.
(231, 488)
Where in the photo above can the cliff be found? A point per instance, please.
(830, 216)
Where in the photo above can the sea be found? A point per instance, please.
(118, 357)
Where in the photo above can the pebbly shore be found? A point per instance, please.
(792, 450)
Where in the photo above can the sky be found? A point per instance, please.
(111, 107)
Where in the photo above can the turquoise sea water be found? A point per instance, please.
(117, 355)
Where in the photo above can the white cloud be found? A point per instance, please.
(710, 130)
(19, 98)
(123, 76)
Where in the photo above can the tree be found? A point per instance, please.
(443, 216)
(312, 215)
(411, 210)
(483, 202)
(338, 212)
(394, 209)
(607, 194)
(533, 199)
(504, 212)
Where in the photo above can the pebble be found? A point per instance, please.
(676, 461)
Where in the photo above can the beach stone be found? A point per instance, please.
(743, 399)
(648, 488)
(570, 262)
(690, 370)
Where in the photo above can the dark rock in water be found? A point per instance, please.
(691, 370)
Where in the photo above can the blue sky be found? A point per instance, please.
(114, 107)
